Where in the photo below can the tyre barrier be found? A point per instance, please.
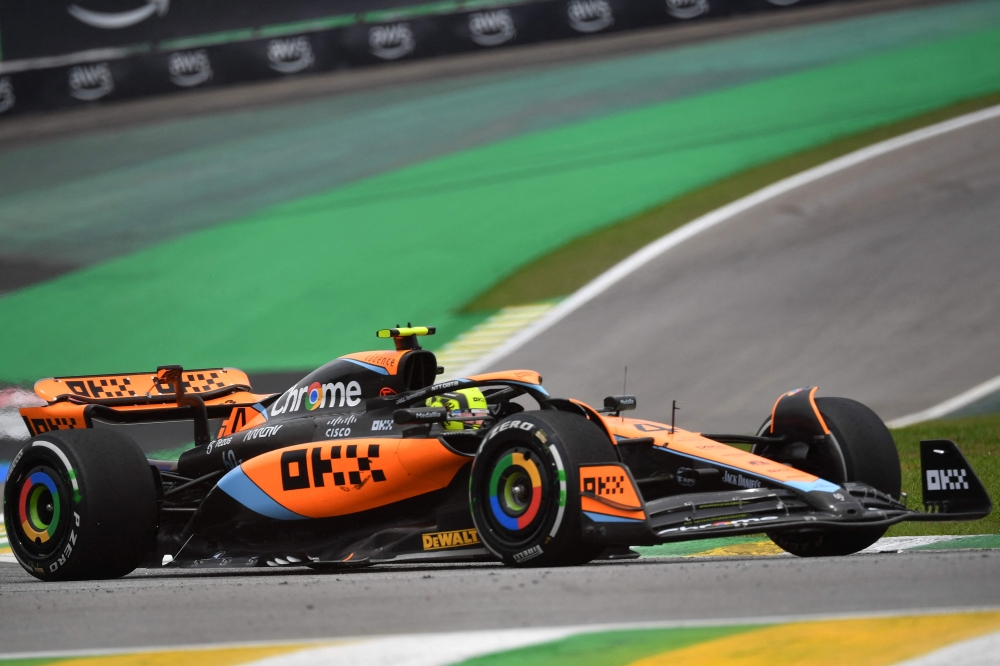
(96, 75)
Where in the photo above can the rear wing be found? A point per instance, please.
(168, 394)
(138, 388)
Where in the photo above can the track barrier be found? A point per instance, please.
(78, 52)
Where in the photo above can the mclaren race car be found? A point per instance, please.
(367, 460)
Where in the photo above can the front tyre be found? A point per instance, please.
(867, 454)
(79, 505)
(523, 487)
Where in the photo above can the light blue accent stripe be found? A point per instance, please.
(819, 484)
(537, 387)
(368, 366)
(238, 485)
(602, 518)
(4, 469)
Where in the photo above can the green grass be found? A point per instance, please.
(170, 454)
(569, 267)
(978, 438)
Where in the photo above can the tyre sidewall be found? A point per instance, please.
(61, 561)
(870, 456)
(867, 445)
(556, 540)
(111, 504)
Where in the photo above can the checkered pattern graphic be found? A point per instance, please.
(604, 485)
(195, 382)
(321, 466)
(111, 387)
(48, 425)
(947, 479)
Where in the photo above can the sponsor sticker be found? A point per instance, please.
(604, 486)
(122, 19)
(390, 42)
(346, 419)
(454, 539)
(687, 9)
(316, 396)
(379, 425)
(189, 68)
(218, 444)
(312, 468)
(589, 15)
(509, 425)
(947, 479)
(7, 98)
(38, 426)
(492, 28)
(528, 554)
(739, 480)
(290, 55)
(260, 433)
(91, 82)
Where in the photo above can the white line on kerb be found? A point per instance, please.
(948, 406)
(526, 636)
(640, 258)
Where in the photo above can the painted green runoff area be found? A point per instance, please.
(686, 548)
(300, 283)
(611, 648)
(73, 201)
(569, 267)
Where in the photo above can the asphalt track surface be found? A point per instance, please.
(879, 283)
(176, 608)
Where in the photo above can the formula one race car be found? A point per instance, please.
(366, 460)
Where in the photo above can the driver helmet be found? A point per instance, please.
(463, 402)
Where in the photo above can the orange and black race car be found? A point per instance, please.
(366, 460)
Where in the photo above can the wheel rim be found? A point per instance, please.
(516, 490)
(39, 510)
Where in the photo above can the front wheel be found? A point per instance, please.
(866, 453)
(79, 505)
(523, 487)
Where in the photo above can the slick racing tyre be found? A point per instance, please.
(80, 504)
(522, 487)
(869, 456)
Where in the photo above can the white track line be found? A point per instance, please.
(631, 264)
(982, 651)
(948, 406)
(419, 650)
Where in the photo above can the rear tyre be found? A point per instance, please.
(869, 456)
(521, 489)
(80, 505)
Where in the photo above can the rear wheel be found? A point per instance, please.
(80, 504)
(521, 490)
(867, 454)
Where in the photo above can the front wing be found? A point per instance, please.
(613, 511)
